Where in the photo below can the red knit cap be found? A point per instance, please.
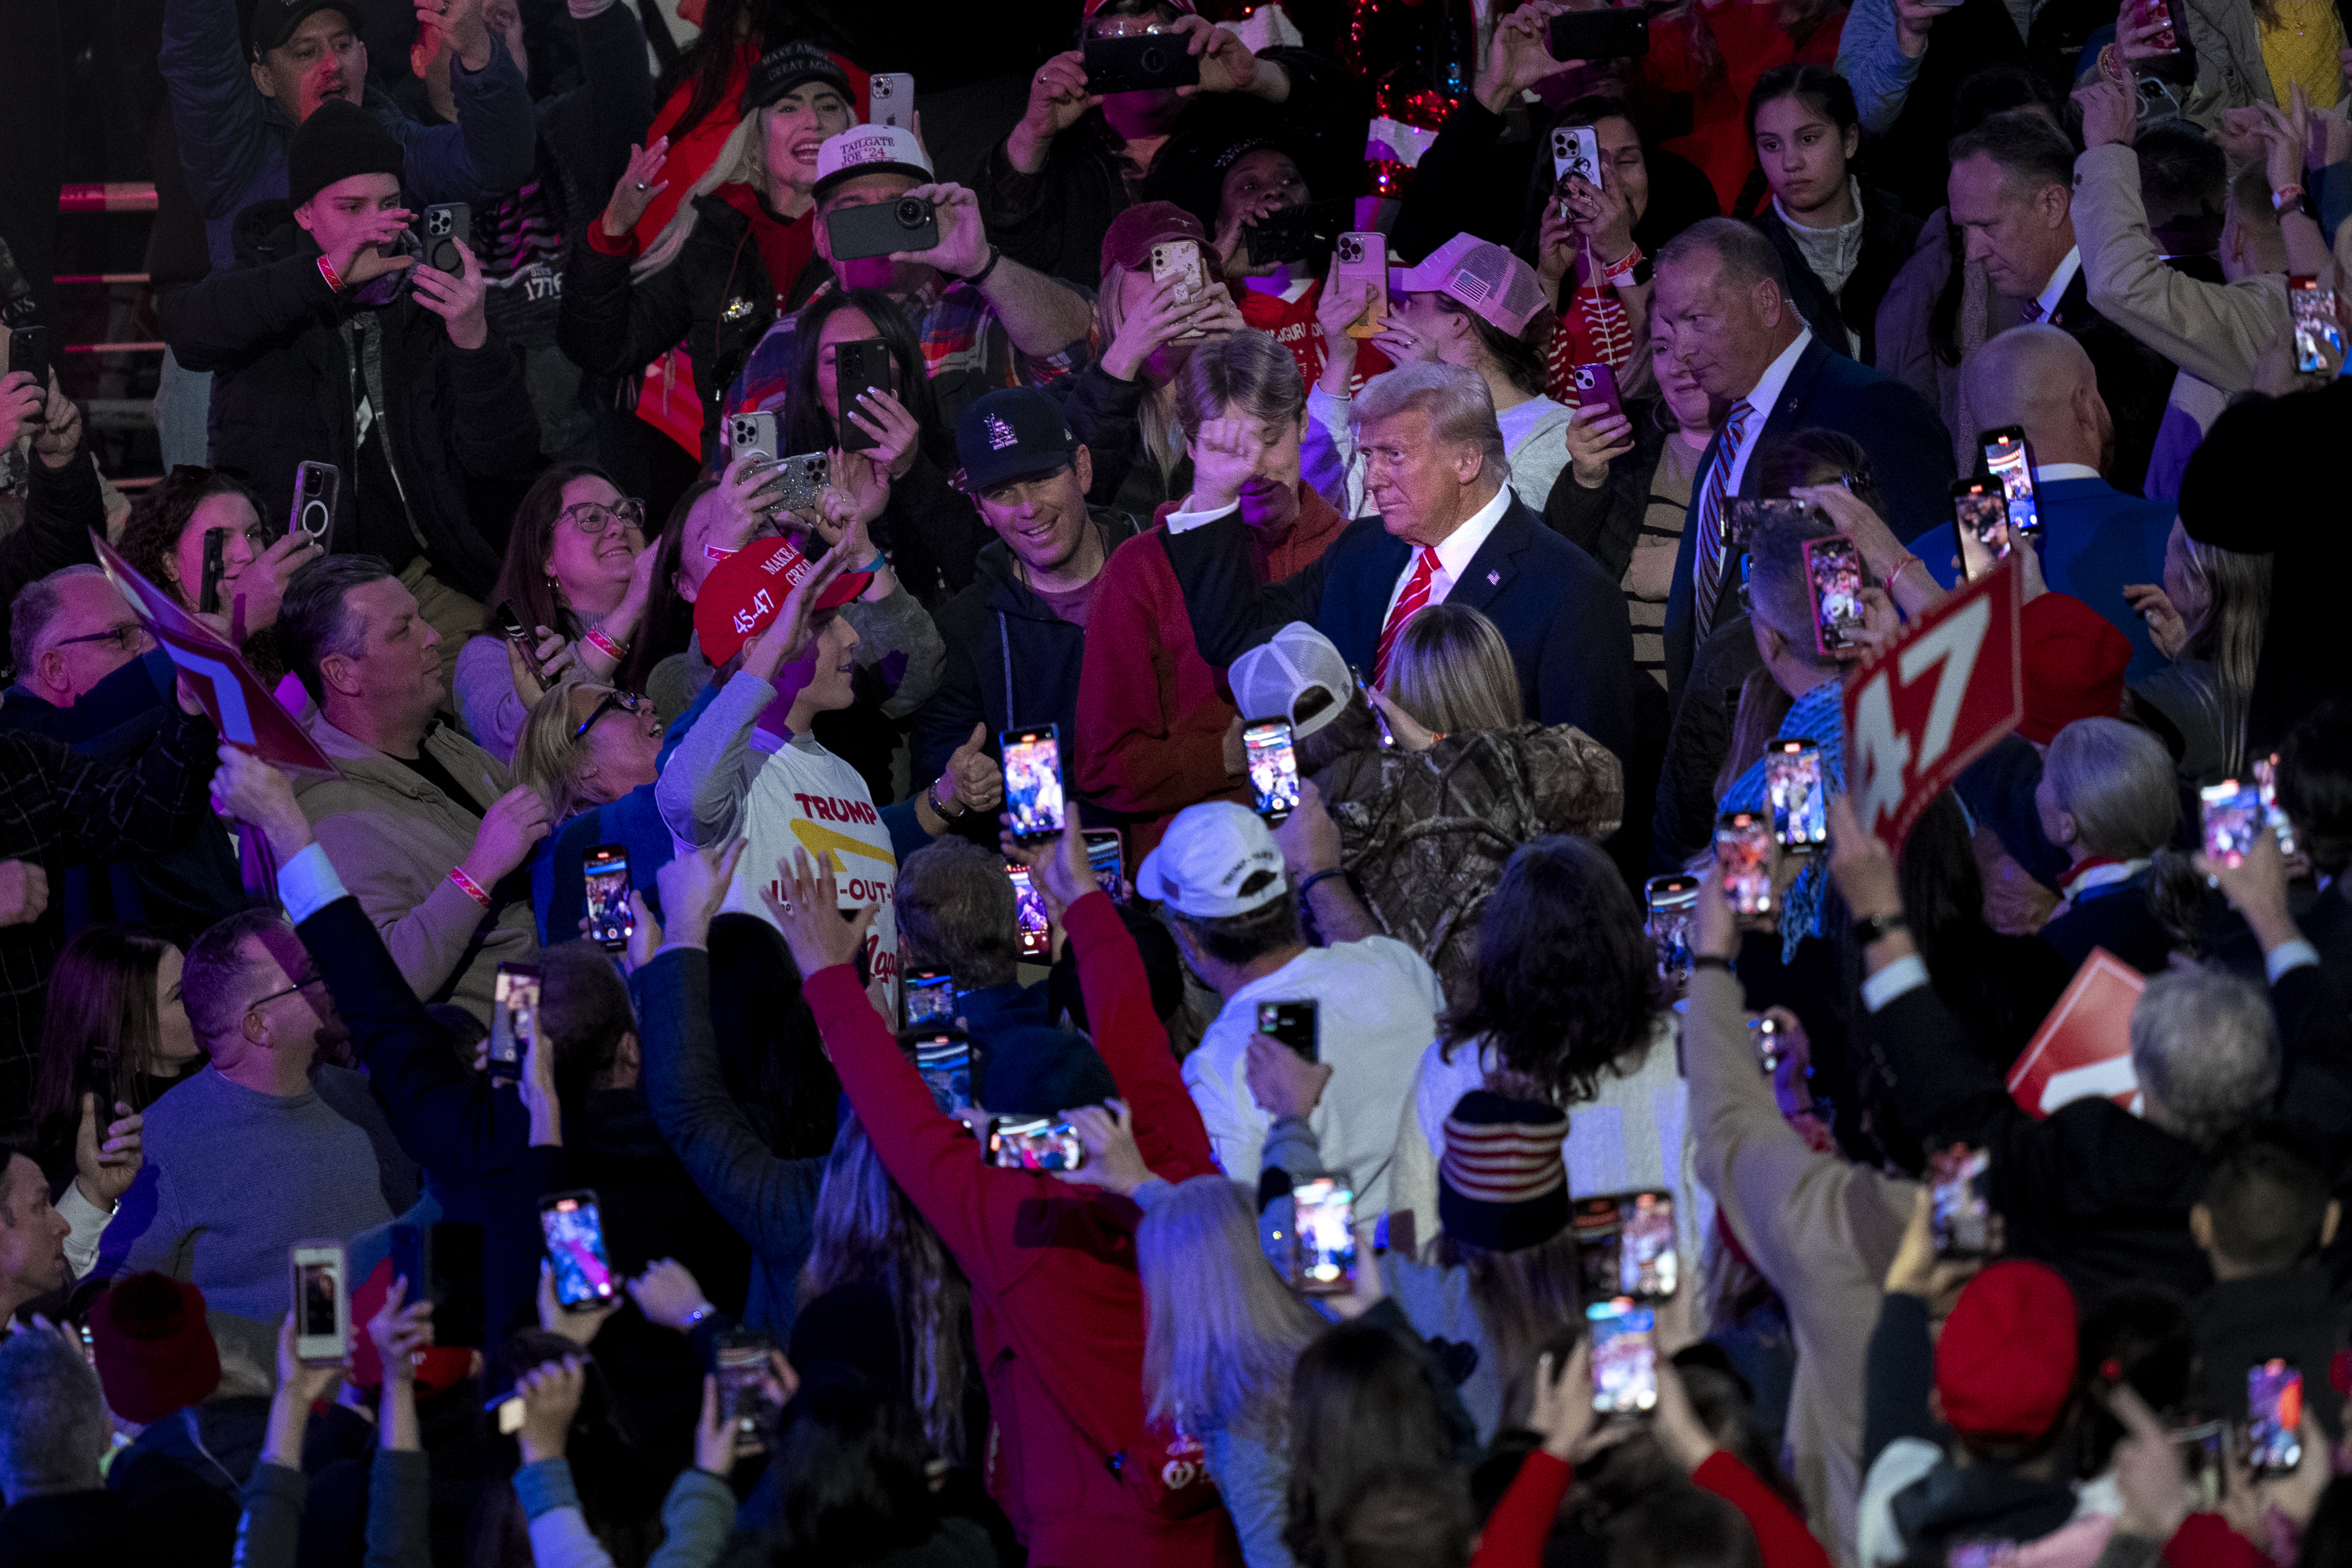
(2075, 663)
(155, 1354)
(2005, 1363)
(1501, 1183)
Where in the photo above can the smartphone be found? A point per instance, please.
(944, 1061)
(2319, 329)
(514, 1019)
(1833, 578)
(2266, 785)
(1594, 1222)
(1362, 258)
(215, 564)
(741, 1361)
(1295, 234)
(1576, 150)
(452, 1261)
(412, 1260)
(1177, 261)
(929, 997)
(754, 431)
(317, 488)
(2274, 1418)
(448, 224)
(1388, 736)
(1032, 781)
(1295, 1024)
(1792, 784)
(575, 1246)
(1765, 1034)
(2233, 815)
(1605, 35)
(890, 99)
(883, 228)
(800, 481)
(1624, 1356)
(611, 921)
(1272, 768)
(860, 365)
(1958, 1211)
(1742, 519)
(1648, 1268)
(97, 1081)
(1979, 525)
(2167, 41)
(1596, 391)
(1671, 900)
(1034, 1144)
(1322, 1236)
(2010, 459)
(1743, 860)
(1107, 858)
(2203, 1449)
(28, 350)
(518, 635)
(1139, 62)
(1029, 915)
(323, 1301)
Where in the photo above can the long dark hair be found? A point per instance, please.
(1361, 1399)
(1568, 986)
(150, 535)
(101, 997)
(807, 427)
(670, 618)
(849, 1476)
(770, 1052)
(1943, 900)
(525, 582)
(1521, 358)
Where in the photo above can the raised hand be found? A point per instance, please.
(693, 886)
(365, 255)
(257, 592)
(1149, 327)
(962, 249)
(580, 1325)
(246, 789)
(399, 1331)
(668, 1295)
(1520, 56)
(886, 419)
(809, 913)
(1058, 867)
(1224, 455)
(21, 404)
(977, 778)
(457, 299)
(104, 1170)
(1595, 439)
(1057, 97)
(639, 184)
(786, 639)
(2165, 627)
(1281, 1082)
(550, 1398)
(1113, 1162)
(2110, 113)
(60, 427)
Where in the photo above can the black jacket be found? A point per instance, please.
(287, 389)
(1011, 660)
(2242, 1321)
(1606, 524)
(1889, 235)
(2116, 917)
(1106, 415)
(2135, 381)
(62, 507)
(1697, 740)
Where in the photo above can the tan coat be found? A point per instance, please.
(393, 839)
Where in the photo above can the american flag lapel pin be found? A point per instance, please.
(1494, 580)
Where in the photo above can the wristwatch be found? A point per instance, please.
(1870, 929)
(945, 814)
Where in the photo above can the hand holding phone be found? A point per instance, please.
(1361, 263)
(1323, 1235)
(1833, 579)
(1272, 768)
(611, 921)
(1294, 1024)
(1033, 782)
(322, 1303)
(1959, 1213)
(1743, 860)
(574, 1233)
(1624, 1356)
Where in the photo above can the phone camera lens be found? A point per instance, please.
(1153, 61)
(913, 212)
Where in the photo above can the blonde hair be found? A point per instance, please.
(2229, 634)
(1221, 1332)
(1452, 670)
(742, 160)
(2115, 780)
(548, 757)
(1460, 408)
(1157, 415)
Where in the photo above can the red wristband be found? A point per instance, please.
(471, 888)
(1896, 570)
(334, 279)
(614, 651)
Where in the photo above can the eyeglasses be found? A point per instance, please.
(614, 702)
(1012, 492)
(313, 978)
(594, 518)
(127, 638)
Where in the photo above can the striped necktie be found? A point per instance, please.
(2030, 310)
(1416, 595)
(1706, 578)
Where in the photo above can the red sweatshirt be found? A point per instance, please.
(1522, 1521)
(1749, 36)
(2206, 1540)
(1056, 1308)
(1152, 715)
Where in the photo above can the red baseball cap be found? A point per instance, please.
(2074, 661)
(1126, 244)
(2005, 1363)
(746, 591)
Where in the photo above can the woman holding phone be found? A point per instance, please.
(164, 541)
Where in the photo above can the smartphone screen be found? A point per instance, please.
(2232, 815)
(1107, 858)
(1035, 1144)
(1743, 860)
(611, 921)
(1272, 768)
(2266, 786)
(2010, 459)
(1036, 931)
(1032, 781)
(943, 1059)
(322, 1302)
(1671, 900)
(1958, 1211)
(1792, 783)
(928, 996)
(1323, 1235)
(1979, 525)
(1595, 1222)
(514, 1018)
(1647, 1268)
(2318, 330)
(1294, 1024)
(740, 1360)
(575, 1246)
(1624, 1356)
(1833, 576)
(2273, 1418)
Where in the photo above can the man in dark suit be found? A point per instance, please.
(1722, 308)
(2013, 190)
(1449, 530)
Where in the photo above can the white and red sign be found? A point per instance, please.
(2083, 1048)
(1923, 707)
(240, 706)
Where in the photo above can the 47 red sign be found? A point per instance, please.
(1922, 708)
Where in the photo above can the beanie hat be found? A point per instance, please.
(340, 140)
(796, 64)
(153, 1350)
(437, 1368)
(1126, 244)
(1269, 679)
(2073, 660)
(1502, 1184)
(1038, 1071)
(2005, 1363)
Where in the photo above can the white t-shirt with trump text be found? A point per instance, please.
(807, 799)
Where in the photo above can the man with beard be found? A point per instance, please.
(267, 1145)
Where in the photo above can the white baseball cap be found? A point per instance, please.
(1269, 679)
(870, 150)
(1212, 851)
(1500, 288)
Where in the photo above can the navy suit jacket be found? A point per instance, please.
(1561, 615)
(2094, 539)
(1910, 459)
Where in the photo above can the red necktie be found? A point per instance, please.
(2031, 310)
(1416, 595)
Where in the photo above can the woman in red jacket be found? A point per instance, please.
(1155, 724)
(1710, 52)
(1058, 1311)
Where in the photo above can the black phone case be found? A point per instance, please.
(1610, 34)
(215, 564)
(28, 350)
(1299, 234)
(445, 224)
(879, 228)
(860, 366)
(1138, 63)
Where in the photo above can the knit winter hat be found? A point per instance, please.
(1502, 1184)
(340, 140)
(2073, 661)
(2005, 1363)
(154, 1352)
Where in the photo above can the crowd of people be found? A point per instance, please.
(1073, 825)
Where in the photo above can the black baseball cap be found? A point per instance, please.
(272, 21)
(1014, 433)
(779, 70)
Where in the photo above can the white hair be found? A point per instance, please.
(1455, 397)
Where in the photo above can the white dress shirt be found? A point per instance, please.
(2055, 290)
(1455, 552)
(1760, 397)
(2050, 473)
